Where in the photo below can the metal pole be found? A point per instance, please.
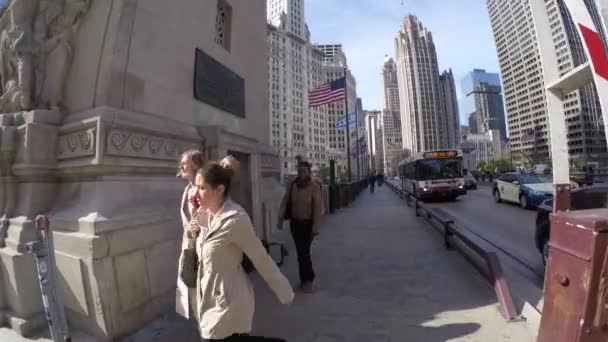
(347, 127)
(44, 251)
(357, 137)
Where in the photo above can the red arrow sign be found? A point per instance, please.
(597, 53)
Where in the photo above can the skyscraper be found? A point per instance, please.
(363, 150)
(390, 117)
(423, 123)
(288, 14)
(523, 83)
(482, 98)
(390, 85)
(334, 66)
(374, 139)
(295, 67)
(449, 108)
(330, 51)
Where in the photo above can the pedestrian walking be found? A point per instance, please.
(372, 183)
(225, 299)
(189, 163)
(236, 190)
(589, 176)
(302, 206)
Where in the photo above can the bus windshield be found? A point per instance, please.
(428, 169)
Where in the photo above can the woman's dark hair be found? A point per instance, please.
(215, 175)
(195, 156)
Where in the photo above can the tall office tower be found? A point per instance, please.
(523, 83)
(449, 108)
(390, 119)
(374, 140)
(288, 14)
(330, 51)
(390, 85)
(422, 120)
(392, 146)
(464, 131)
(334, 67)
(482, 98)
(363, 162)
(295, 66)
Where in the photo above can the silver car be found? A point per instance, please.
(469, 182)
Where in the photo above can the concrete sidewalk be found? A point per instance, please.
(382, 275)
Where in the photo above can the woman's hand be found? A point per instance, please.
(194, 228)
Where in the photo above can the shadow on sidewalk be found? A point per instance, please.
(384, 275)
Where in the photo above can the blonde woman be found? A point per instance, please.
(189, 163)
(224, 291)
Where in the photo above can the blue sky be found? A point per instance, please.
(367, 29)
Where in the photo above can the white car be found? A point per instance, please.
(525, 189)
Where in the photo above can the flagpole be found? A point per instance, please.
(357, 137)
(347, 127)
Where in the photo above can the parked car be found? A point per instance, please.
(582, 198)
(469, 182)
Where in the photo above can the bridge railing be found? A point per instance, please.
(454, 236)
(341, 195)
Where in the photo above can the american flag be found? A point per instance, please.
(327, 93)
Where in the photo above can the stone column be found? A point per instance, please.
(29, 188)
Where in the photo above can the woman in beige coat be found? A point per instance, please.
(225, 300)
(189, 163)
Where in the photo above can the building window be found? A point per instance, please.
(223, 24)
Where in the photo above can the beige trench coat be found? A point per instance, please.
(184, 295)
(225, 299)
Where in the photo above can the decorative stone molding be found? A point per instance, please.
(77, 144)
(127, 143)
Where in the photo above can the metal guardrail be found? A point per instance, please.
(341, 195)
(485, 261)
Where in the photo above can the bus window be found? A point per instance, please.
(429, 169)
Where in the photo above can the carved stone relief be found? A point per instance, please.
(36, 51)
(77, 144)
(126, 143)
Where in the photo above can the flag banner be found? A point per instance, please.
(327, 93)
(341, 122)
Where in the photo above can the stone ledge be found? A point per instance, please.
(143, 236)
(24, 327)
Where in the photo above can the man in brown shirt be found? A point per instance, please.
(302, 206)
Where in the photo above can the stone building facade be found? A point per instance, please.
(90, 134)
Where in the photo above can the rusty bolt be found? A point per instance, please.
(562, 279)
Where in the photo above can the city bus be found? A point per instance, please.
(433, 174)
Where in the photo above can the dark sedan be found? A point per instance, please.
(582, 198)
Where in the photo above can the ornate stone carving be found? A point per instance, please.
(77, 144)
(36, 51)
(125, 143)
